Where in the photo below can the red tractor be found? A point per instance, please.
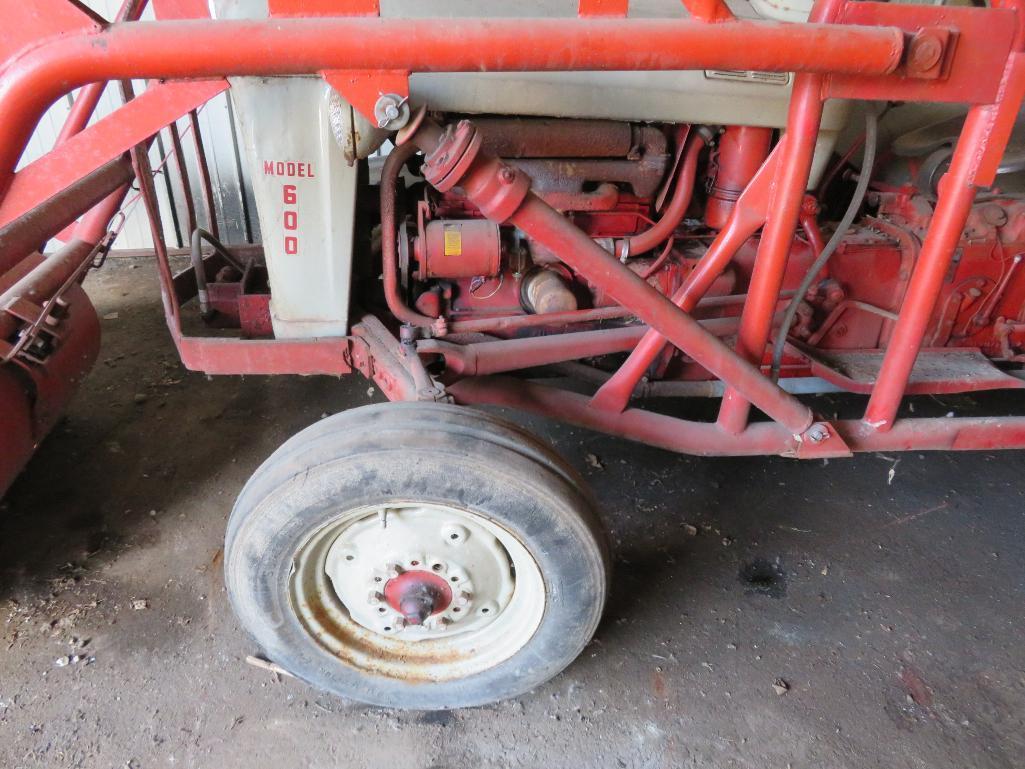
(585, 213)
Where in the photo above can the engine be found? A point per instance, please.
(654, 196)
(608, 177)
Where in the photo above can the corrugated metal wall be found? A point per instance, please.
(236, 211)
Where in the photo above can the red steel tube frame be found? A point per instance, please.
(507, 323)
(203, 49)
(956, 194)
(106, 139)
(670, 433)
(49, 275)
(500, 355)
(40, 283)
(89, 96)
(746, 216)
(707, 439)
(791, 180)
(175, 50)
(495, 356)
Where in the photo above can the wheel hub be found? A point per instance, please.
(417, 595)
(420, 572)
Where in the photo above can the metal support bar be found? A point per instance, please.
(680, 435)
(498, 355)
(204, 49)
(102, 142)
(707, 439)
(205, 185)
(956, 193)
(744, 219)
(791, 180)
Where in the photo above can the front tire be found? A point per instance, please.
(417, 555)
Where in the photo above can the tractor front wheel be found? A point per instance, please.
(417, 556)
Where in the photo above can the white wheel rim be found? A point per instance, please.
(496, 603)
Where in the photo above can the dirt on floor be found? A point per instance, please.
(764, 613)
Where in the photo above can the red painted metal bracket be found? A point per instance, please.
(285, 8)
(105, 140)
(180, 9)
(953, 54)
(606, 8)
(362, 88)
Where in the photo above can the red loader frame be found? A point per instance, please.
(860, 50)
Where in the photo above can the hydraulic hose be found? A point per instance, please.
(867, 163)
(678, 203)
(196, 257)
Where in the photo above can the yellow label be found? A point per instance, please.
(453, 241)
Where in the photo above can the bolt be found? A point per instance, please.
(374, 598)
(924, 51)
(392, 570)
(817, 433)
(437, 623)
(389, 111)
(463, 599)
(507, 175)
(994, 215)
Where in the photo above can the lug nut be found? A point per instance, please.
(463, 599)
(374, 598)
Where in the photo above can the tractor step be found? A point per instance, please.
(936, 372)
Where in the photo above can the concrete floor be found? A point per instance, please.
(892, 608)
